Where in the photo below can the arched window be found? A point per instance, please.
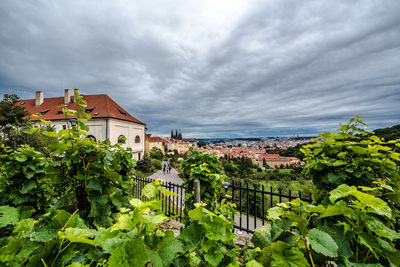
(137, 139)
(121, 139)
(92, 137)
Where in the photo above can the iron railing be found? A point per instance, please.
(252, 202)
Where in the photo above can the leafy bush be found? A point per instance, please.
(351, 156)
(207, 169)
(349, 224)
(23, 181)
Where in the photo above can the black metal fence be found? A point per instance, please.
(252, 202)
(172, 206)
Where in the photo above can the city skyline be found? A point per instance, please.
(225, 69)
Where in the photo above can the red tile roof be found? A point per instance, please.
(155, 139)
(103, 107)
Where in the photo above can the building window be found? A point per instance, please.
(91, 137)
(64, 127)
(137, 139)
(122, 139)
(139, 156)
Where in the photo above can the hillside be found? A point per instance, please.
(389, 133)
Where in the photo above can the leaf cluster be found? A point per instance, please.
(206, 168)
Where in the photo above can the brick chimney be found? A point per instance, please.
(39, 98)
(67, 97)
(75, 91)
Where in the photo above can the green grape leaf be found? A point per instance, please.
(155, 259)
(340, 192)
(78, 235)
(278, 227)
(262, 236)
(253, 263)
(323, 243)
(214, 257)
(275, 213)
(124, 222)
(340, 208)
(28, 186)
(168, 248)
(380, 229)
(8, 215)
(191, 236)
(133, 253)
(282, 254)
(95, 185)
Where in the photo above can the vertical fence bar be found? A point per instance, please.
(247, 206)
(173, 199)
(140, 189)
(233, 200)
(263, 204)
(255, 205)
(240, 205)
(271, 194)
(162, 199)
(169, 200)
(300, 194)
(280, 195)
(181, 206)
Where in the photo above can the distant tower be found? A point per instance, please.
(180, 135)
(176, 134)
(172, 134)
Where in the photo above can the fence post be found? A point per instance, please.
(196, 191)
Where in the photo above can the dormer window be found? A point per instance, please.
(59, 112)
(22, 103)
(122, 113)
(43, 112)
(88, 110)
(96, 114)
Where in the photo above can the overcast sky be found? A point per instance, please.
(212, 68)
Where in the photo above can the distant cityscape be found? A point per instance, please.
(259, 150)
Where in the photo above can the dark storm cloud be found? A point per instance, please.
(226, 68)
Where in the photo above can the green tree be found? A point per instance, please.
(11, 115)
(156, 153)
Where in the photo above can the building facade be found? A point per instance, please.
(109, 120)
(155, 141)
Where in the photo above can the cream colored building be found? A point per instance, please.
(155, 141)
(181, 146)
(109, 120)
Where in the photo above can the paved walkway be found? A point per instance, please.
(174, 178)
(168, 177)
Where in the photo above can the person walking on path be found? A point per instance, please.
(164, 166)
(169, 167)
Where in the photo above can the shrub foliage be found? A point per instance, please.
(72, 207)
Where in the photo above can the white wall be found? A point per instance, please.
(98, 128)
(130, 130)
